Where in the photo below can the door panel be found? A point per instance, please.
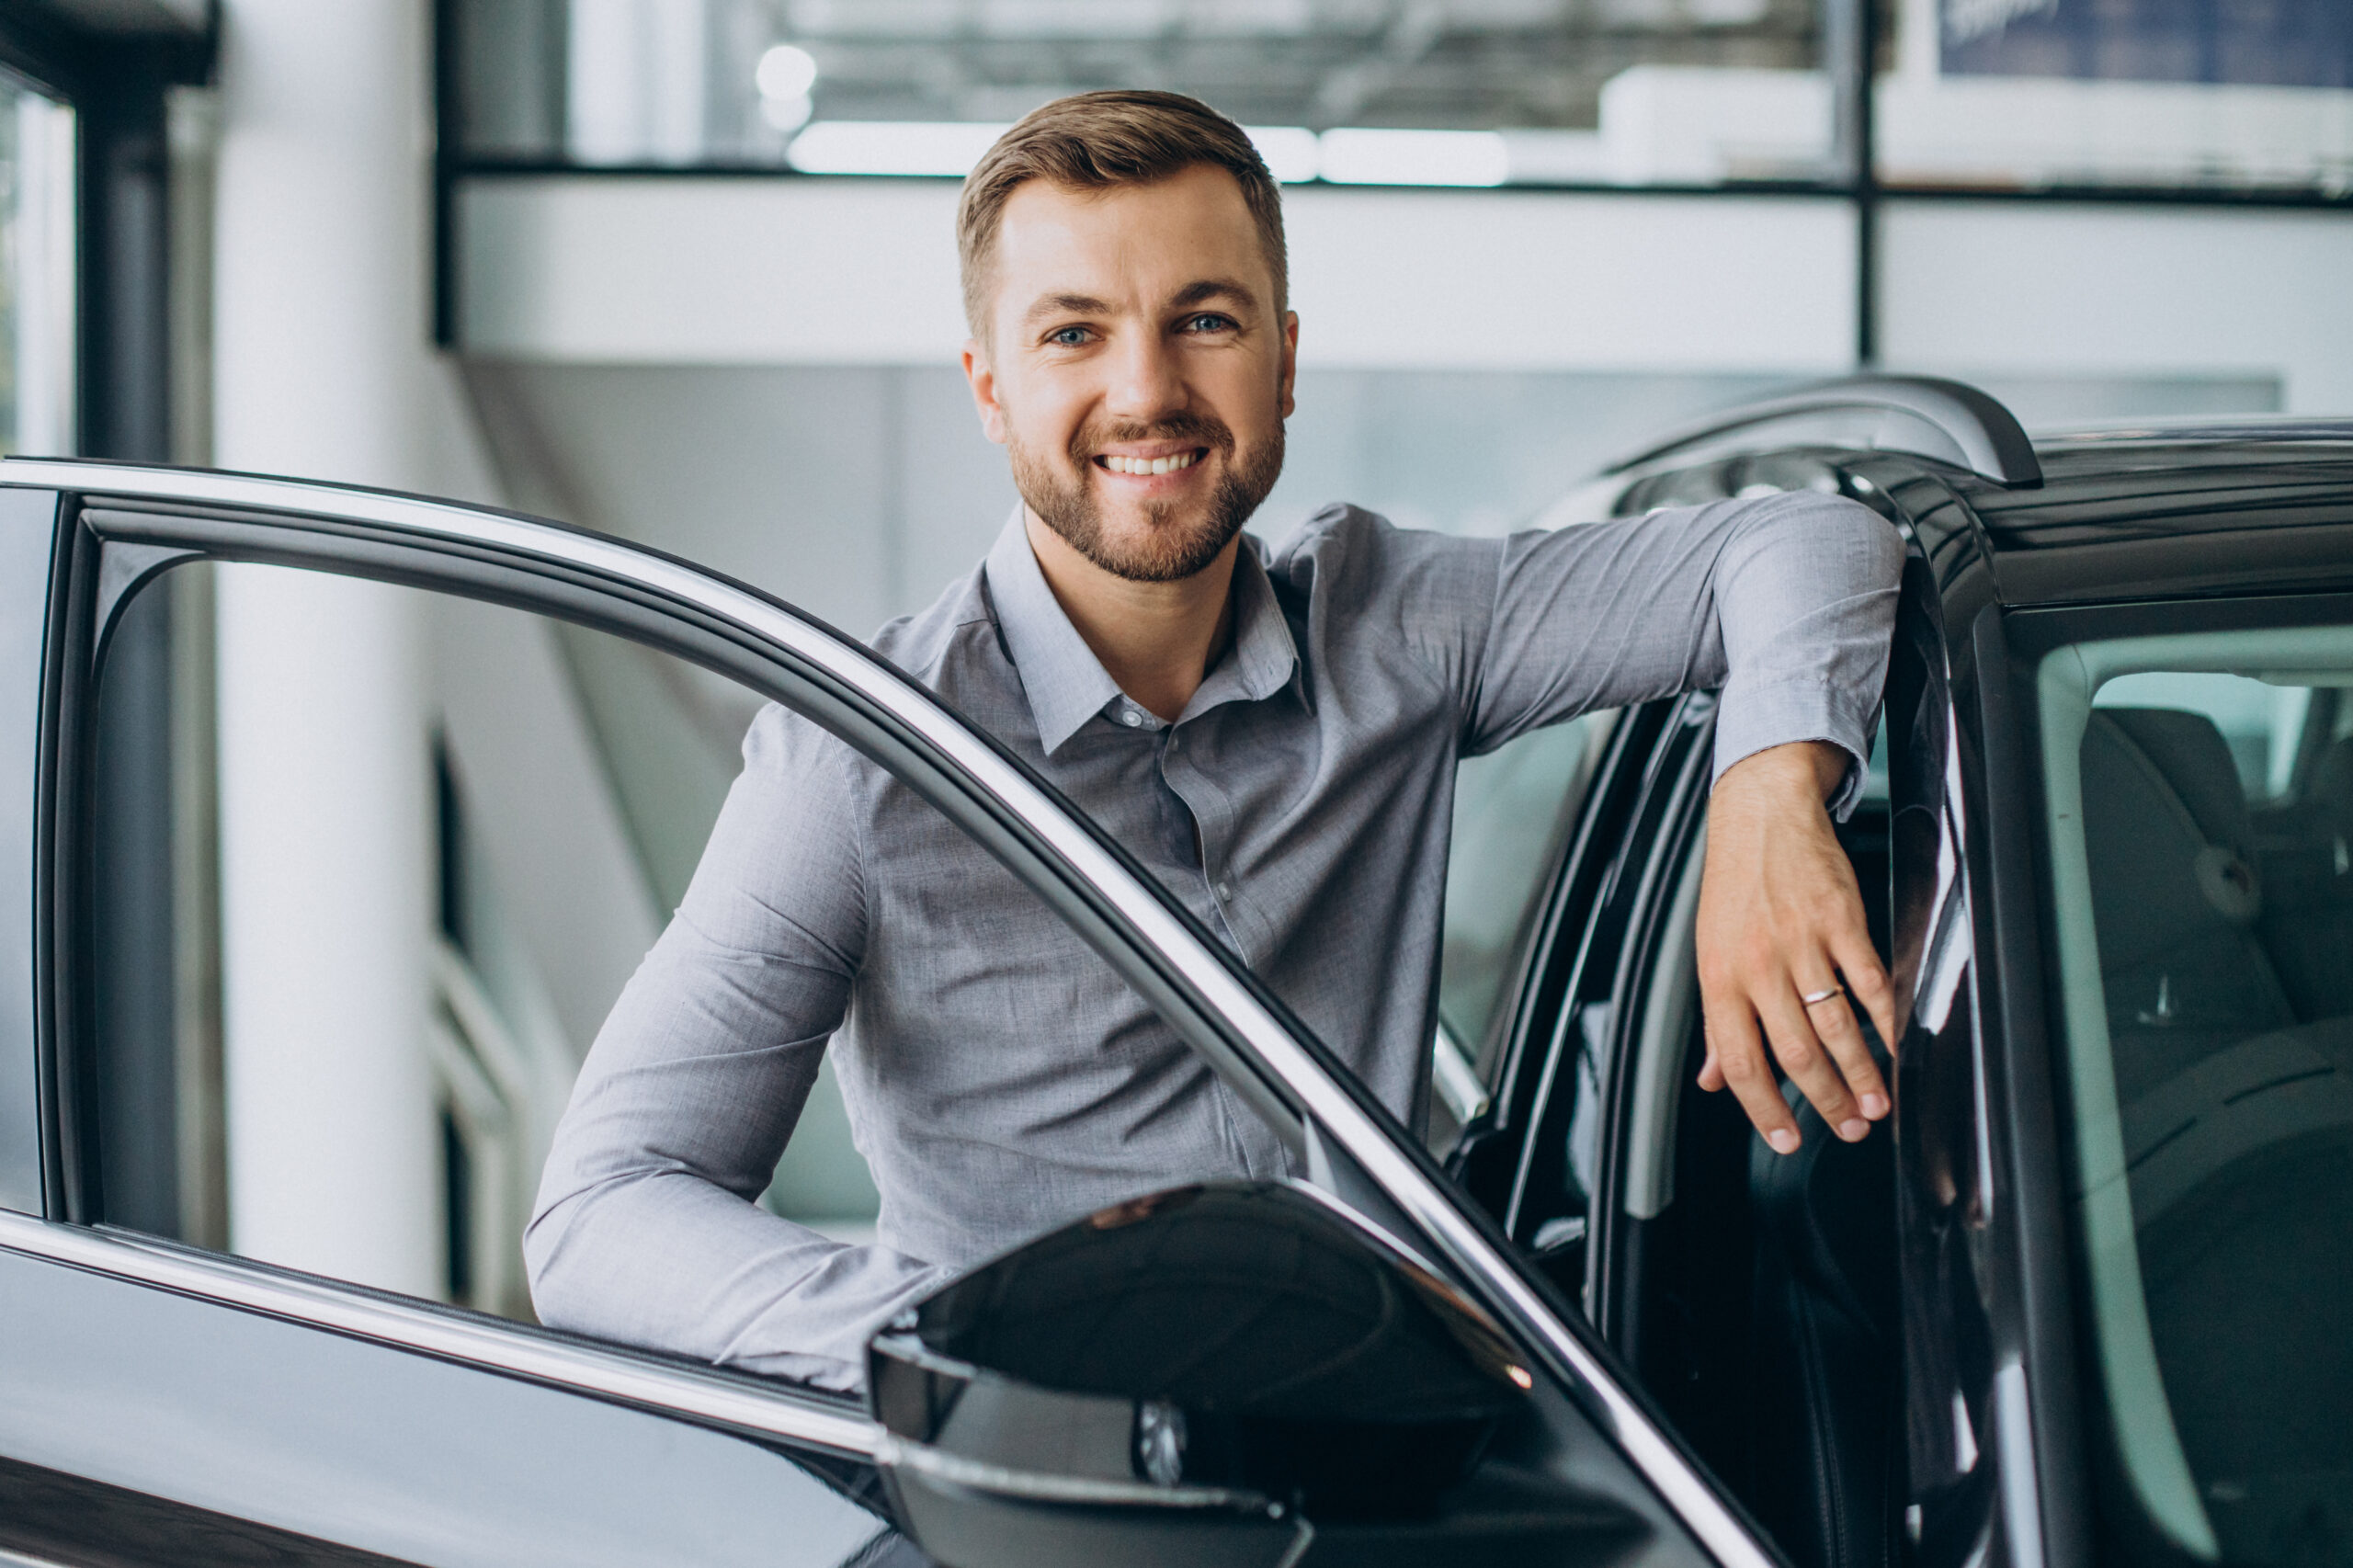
(380, 1448)
(52, 1519)
(360, 1402)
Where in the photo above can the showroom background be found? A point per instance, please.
(682, 270)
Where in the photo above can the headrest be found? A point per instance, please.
(2196, 760)
(2333, 777)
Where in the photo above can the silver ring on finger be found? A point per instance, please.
(1811, 997)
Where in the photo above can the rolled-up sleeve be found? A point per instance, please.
(647, 1229)
(1787, 602)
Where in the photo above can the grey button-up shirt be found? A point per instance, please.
(1000, 1078)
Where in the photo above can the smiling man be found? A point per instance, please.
(1273, 733)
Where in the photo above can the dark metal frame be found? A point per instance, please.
(116, 81)
(1852, 37)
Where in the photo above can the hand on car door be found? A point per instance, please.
(1783, 951)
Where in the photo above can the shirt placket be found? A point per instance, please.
(1213, 822)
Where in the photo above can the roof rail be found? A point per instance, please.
(1993, 443)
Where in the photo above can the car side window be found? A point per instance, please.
(1513, 810)
(491, 889)
(418, 926)
(2199, 799)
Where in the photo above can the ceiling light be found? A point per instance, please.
(786, 71)
(787, 115)
(1290, 151)
(945, 148)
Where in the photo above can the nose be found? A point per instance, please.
(1147, 382)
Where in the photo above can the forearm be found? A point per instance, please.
(1785, 602)
(1805, 602)
(674, 1263)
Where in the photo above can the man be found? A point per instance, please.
(1275, 736)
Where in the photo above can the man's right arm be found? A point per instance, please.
(648, 1228)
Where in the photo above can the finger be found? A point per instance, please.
(1711, 1075)
(1740, 1063)
(1799, 1052)
(1866, 982)
(1834, 1025)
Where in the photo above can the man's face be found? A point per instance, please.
(1135, 368)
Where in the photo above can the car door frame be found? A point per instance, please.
(121, 525)
(1982, 1225)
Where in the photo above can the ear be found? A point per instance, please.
(1288, 375)
(983, 381)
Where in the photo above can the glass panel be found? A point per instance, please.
(1471, 92)
(36, 272)
(2201, 804)
(1513, 810)
(447, 832)
(2204, 93)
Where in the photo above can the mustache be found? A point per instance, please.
(1211, 433)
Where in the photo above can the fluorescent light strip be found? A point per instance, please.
(940, 148)
(949, 149)
(1291, 151)
(1413, 157)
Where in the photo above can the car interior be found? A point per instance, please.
(1760, 1306)
(2215, 810)
(1754, 1295)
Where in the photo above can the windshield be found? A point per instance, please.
(2200, 808)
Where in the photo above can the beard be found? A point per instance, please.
(1179, 538)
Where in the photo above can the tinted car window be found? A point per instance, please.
(2201, 800)
(1512, 809)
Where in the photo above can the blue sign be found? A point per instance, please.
(2284, 43)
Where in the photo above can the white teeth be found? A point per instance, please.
(1150, 465)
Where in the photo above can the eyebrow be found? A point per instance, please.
(1209, 289)
(1198, 291)
(1067, 304)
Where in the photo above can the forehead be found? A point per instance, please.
(1126, 244)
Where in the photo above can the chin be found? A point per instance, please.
(1150, 550)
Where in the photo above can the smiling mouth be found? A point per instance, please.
(1148, 466)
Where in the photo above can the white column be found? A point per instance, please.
(322, 368)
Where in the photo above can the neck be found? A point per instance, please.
(1156, 639)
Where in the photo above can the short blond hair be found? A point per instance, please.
(1094, 141)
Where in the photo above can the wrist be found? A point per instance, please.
(1815, 768)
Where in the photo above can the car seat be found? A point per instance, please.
(2175, 895)
(2237, 1119)
(2305, 855)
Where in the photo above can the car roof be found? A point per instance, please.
(2155, 510)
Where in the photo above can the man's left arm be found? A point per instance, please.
(1787, 603)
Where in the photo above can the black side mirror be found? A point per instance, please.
(1219, 1374)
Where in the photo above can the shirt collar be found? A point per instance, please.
(1263, 658)
(1066, 685)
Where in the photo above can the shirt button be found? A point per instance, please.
(1225, 890)
(1130, 718)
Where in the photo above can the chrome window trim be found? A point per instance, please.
(1645, 1445)
(713, 1397)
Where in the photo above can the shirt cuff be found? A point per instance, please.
(1754, 719)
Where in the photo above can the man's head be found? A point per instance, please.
(1124, 270)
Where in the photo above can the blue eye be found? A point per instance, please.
(1209, 322)
(1067, 337)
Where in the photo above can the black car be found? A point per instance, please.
(2089, 1301)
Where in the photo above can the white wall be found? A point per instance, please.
(2008, 289)
(863, 272)
(704, 272)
